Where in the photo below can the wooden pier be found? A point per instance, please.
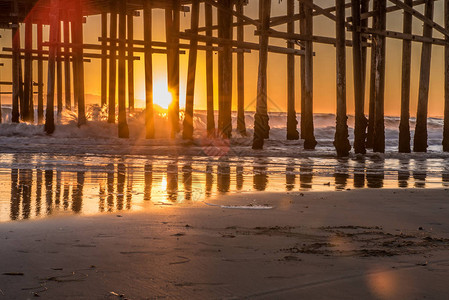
(117, 46)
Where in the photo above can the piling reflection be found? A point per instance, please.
(290, 178)
(404, 173)
(359, 173)
(45, 190)
(420, 173)
(209, 180)
(110, 187)
(260, 179)
(306, 176)
(187, 181)
(341, 175)
(239, 177)
(48, 175)
(38, 191)
(121, 176)
(148, 182)
(172, 182)
(223, 178)
(375, 174)
(445, 178)
(77, 192)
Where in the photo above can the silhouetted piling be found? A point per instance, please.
(40, 75)
(209, 73)
(292, 123)
(241, 127)
(360, 120)
(104, 60)
(307, 114)
(147, 33)
(225, 71)
(77, 36)
(67, 82)
(54, 26)
(379, 90)
(130, 28)
(112, 63)
(15, 34)
(261, 116)
(191, 73)
(446, 80)
(404, 126)
(420, 138)
(28, 80)
(59, 72)
(123, 130)
(341, 141)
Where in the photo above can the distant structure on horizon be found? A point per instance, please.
(66, 51)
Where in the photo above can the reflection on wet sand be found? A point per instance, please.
(404, 173)
(223, 178)
(148, 180)
(187, 181)
(172, 182)
(260, 178)
(420, 174)
(290, 178)
(375, 174)
(359, 173)
(43, 190)
(306, 176)
(341, 176)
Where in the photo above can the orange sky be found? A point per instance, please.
(324, 66)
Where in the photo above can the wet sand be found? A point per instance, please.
(353, 244)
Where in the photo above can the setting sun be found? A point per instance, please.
(161, 95)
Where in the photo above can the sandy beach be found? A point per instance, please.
(353, 244)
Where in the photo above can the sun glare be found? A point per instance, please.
(161, 95)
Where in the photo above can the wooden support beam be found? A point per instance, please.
(360, 120)
(104, 60)
(302, 66)
(28, 110)
(147, 33)
(40, 76)
(404, 126)
(77, 35)
(420, 138)
(428, 21)
(341, 141)
(15, 35)
(67, 83)
(130, 28)
(112, 64)
(222, 6)
(54, 26)
(224, 71)
(123, 130)
(209, 73)
(404, 36)
(309, 135)
(393, 8)
(292, 123)
(172, 27)
(301, 37)
(187, 133)
(379, 123)
(240, 45)
(241, 127)
(261, 127)
(446, 80)
(59, 73)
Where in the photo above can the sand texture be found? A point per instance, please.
(355, 244)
